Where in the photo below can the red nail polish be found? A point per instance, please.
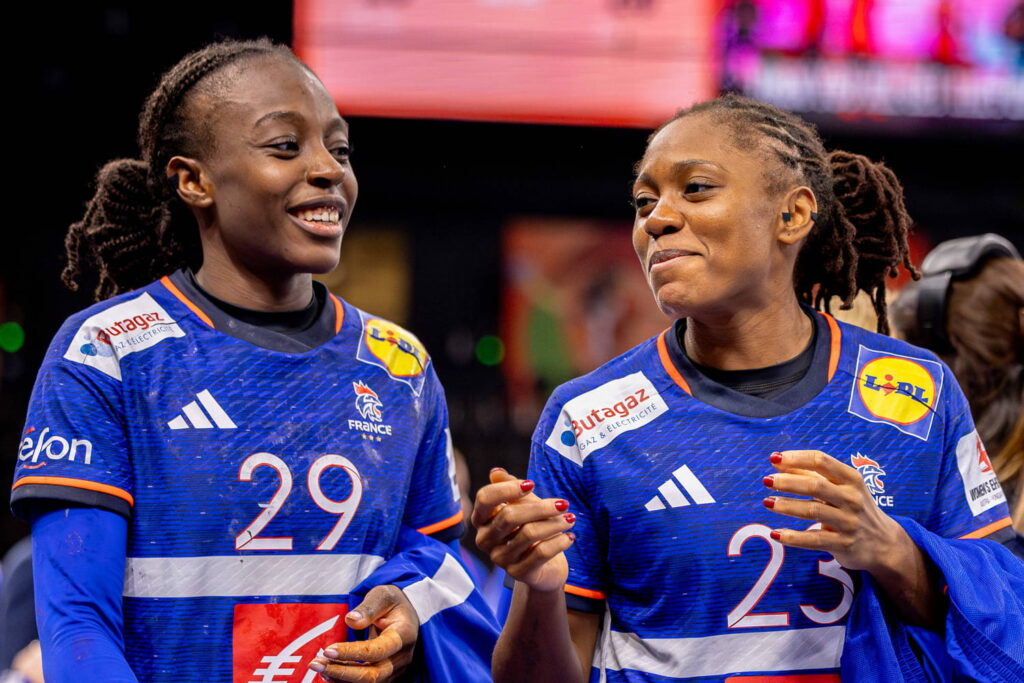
(561, 505)
(526, 485)
(569, 518)
(769, 481)
(775, 534)
(571, 535)
(769, 503)
(776, 458)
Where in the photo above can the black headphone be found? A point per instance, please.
(953, 260)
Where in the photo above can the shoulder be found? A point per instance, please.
(858, 336)
(101, 335)
(638, 363)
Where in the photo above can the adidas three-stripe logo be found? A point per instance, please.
(195, 418)
(675, 497)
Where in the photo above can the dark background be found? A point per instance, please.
(75, 97)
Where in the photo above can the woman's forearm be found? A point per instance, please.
(535, 644)
(912, 584)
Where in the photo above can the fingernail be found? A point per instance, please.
(317, 666)
(768, 481)
(775, 534)
(569, 518)
(776, 458)
(572, 536)
(526, 486)
(358, 616)
(331, 654)
(497, 469)
(561, 505)
(769, 502)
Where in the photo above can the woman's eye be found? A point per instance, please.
(342, 151)
(695, 188)
(284, 146)
(641, 202)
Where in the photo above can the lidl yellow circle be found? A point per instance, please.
(399, 350)
(896, 389)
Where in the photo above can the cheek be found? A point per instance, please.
(640, 239)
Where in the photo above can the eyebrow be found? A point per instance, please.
(678, 168)
(296, 118)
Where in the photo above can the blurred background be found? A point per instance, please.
(494, 143)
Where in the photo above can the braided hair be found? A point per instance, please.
(860, 234)
(134, 227)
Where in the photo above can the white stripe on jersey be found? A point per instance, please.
(449, 586)
(245, 575)
(723, 655)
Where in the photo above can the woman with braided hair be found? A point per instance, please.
(647, 544)
(228, 468)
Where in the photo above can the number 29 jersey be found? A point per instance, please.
(261, 485)
(664, 470)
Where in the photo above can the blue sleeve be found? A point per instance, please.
(78, 557)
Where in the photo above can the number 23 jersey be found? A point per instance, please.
(260, 485)
(664, 470)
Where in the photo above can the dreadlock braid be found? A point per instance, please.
(129, 228)
(860, 235)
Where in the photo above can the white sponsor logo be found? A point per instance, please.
(593, 420)
(54, 447)
(675, 497)
(105, 338)
(981, 486)
(195, 418)
(281, 666)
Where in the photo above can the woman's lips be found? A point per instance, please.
(662, 258)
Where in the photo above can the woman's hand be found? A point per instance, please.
(853, 529)
(523, 534)
(394, 628)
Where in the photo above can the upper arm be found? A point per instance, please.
(584, 628)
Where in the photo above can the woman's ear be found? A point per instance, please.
(191, 180)
(798, 217)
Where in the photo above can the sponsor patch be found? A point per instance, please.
(110, 335)
(593, 420)
(273, 643)
(394, 349)
(896, 390)
(43, 444)
(981, 486)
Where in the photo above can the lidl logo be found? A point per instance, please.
(896, 390)
(394, 349)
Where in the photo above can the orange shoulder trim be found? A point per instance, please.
(443, 524)
(78, 484)
(166, 282)
(989, 528)
(669, 366)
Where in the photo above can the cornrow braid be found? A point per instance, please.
(129, 228)
(861, 232)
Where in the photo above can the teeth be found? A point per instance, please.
(321, 215)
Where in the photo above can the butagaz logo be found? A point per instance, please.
(670, 493)
(42, 444)
(367, 402)
(369, 406)
(981, 486)
(896, 390)
(593, 420)
(110, 335)
(193, 417)
(394, 349)
(872, 474)
(273, 643)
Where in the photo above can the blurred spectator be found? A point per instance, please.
(17, 614)
(969, 308)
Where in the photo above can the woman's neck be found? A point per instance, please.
(748, 339)
(247, 290)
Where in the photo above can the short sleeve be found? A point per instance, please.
(562, 476)
(73, 448)
(970, 503)
(434, 505)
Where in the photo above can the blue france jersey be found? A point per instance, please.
(261, 486)
(672, 537)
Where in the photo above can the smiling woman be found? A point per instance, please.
(218, 518)
(644, 547)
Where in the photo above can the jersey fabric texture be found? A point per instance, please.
(664, 470)
(261, 485)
